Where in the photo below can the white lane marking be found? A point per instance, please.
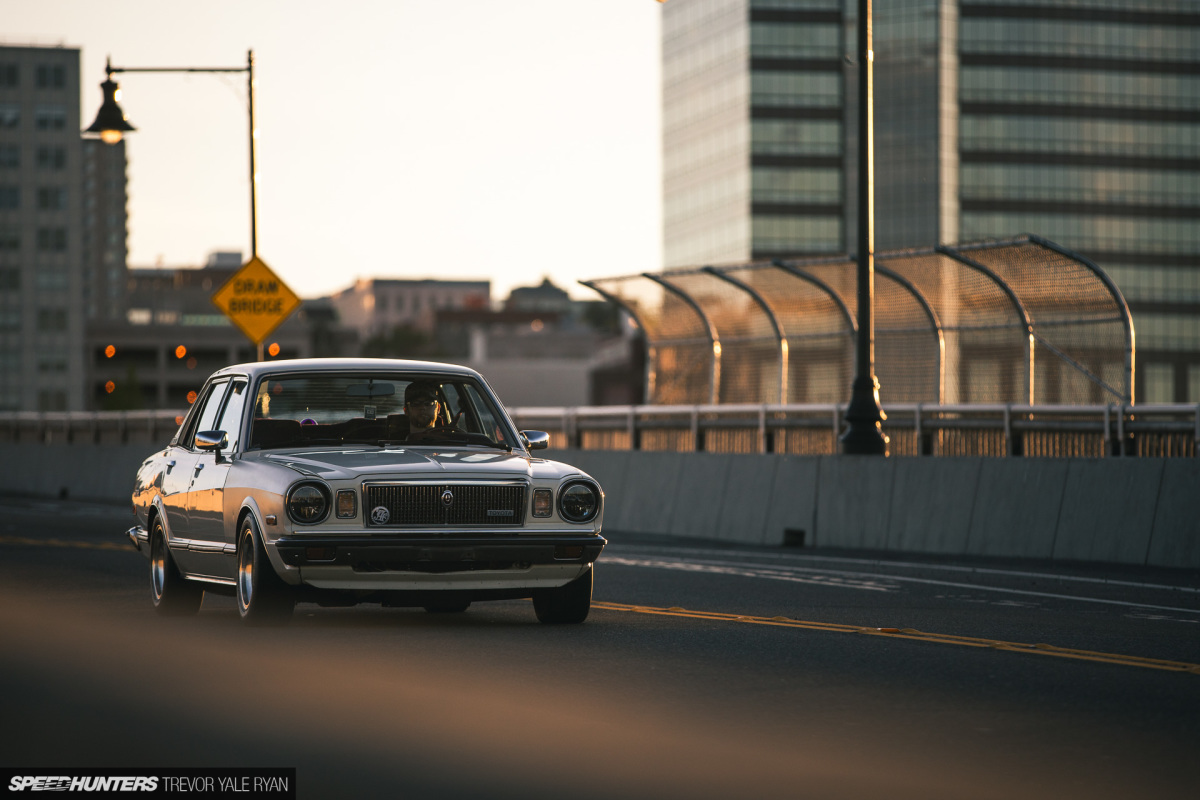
(871, 562)
(750, 571)
(859, 580)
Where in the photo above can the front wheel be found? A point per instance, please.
(567, 604)
(262, 598)
(173, 595)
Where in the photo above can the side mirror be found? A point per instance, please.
(537, 440)
(211, 440)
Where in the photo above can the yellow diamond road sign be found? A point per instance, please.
(256, 300)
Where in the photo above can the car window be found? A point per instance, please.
(207, 418)
(369, 408)
(487, 420)
(231, 417)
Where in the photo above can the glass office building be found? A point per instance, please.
(1075, 120)
(41, 243)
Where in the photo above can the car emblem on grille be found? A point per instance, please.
(447, 498)
(380, 515)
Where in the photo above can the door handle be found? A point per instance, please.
(199, 467)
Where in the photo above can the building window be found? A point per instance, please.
(52, 279)
(50, 118)
(52, 364)
(10, 240)
(1160, 383)
(10, 279)
(52, 240)
(10, 319)
(9, 76)
(51, 76)
(10, 198)
(51, 157)
(52, 320)
(52, 198)
(10, 115)
(10, 156)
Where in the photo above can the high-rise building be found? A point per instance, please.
(105, 232)
(1075, 120)
(41, 231)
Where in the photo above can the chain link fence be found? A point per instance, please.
(1018, 322)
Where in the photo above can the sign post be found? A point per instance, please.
(256, 301)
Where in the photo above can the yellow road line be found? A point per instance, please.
(910, 633)
(24, 540)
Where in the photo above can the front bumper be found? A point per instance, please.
(477, 565)
(437, 553)
(139, 536)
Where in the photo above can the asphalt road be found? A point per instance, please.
(702, 672)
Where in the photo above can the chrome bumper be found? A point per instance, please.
(139, 536)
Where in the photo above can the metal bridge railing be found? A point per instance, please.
(801, 429)
(914, 429)
(153, 428)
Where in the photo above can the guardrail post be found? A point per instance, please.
(635, 435)
(1014, 442)
(1196, 435)
(924, 437)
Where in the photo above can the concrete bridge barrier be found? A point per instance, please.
(1142, 511)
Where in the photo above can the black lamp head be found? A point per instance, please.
(110, 119)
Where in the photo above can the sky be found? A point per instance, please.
(478, 139)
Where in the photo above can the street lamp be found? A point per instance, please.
(112, 126)
(864, 434)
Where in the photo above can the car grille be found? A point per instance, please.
(493, 505)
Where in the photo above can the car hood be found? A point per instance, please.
(369, 462)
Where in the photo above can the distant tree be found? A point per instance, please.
(602, 317)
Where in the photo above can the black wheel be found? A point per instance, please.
(448, 607)
(172, 594)
(567, 604)
(262, 598)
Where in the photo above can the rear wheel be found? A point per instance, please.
(567, 604)
(262, 598)
(173, 595)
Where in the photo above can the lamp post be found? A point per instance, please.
(864, 434)
(112, 126)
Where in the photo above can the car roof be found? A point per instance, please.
(257, 368)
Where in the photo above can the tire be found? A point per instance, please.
(262, 598)
(172, 594)
(566, 605)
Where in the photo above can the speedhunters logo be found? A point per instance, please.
(94, 783)
(201, 782)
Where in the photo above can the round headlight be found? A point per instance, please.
(307, 503)
(579, 502)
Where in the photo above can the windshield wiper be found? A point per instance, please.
(456, 437)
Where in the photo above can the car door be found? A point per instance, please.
(214, 546)
(181, 476)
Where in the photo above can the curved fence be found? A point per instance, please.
(1022, 321)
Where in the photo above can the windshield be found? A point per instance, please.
(373, 408)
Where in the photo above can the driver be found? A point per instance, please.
(422, 407)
